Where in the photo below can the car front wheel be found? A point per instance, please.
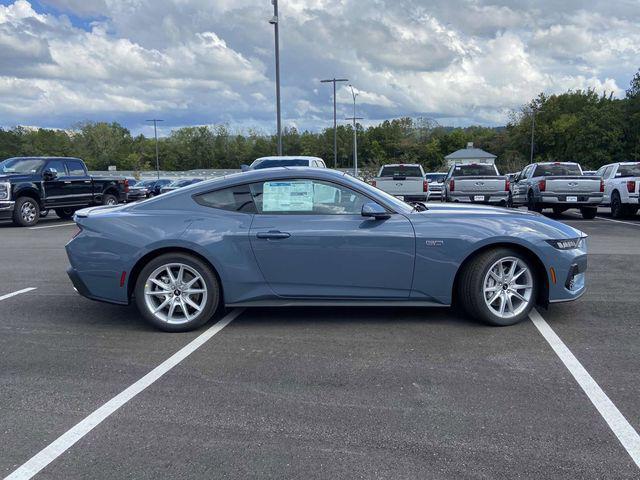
(498, 287)
(177, 292)
(26, 212)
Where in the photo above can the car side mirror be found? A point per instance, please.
(50, 174)
(373, 210)
(245, 168)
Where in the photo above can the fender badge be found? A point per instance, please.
(434, 243)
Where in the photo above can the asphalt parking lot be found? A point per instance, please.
(318, 393)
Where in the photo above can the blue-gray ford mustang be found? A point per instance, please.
(300, 236)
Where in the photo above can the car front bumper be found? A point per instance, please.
(479, 197)
(6, 210)
(568, 269)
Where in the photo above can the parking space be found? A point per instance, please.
(317, 393)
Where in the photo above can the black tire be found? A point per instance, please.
(108, 199)
(26, 212)
(65, 213)
(510, 201)
(559, 210)
(618, 210)
(470, 292)
(532, 206)
(44, 213)
(589, 213)
(213, 298)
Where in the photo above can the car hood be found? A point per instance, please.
(15, 178)
(502, 221)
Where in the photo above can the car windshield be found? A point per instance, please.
(21, 165)
(473, 170)
(180, 183)
(400, 171)
(631, 170)
(557, 169)
(145, 183)
(271, 163)
(434, 177)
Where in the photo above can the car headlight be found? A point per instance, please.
(566, 244)
(5, 190)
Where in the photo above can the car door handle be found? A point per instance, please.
(273, 235)
(67, 181)
(87, 181)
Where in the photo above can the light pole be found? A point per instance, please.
(275, 22)
(155, 132)
(355, 133)
(335, 121)
(533, 126)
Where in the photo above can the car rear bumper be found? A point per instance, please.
(487, 197)
(6, 210)
(583, 200)
(81, 287)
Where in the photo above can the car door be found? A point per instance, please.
(55, 189)
(310, 240)
(607, 174)
(78, 183)
(520, 187)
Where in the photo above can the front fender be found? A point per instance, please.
(28, 189)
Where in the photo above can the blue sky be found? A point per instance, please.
(194, 62)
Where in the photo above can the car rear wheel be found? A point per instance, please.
(618, 210)
(65, 213)
(588, 213)
(177, 292)
(532, 206)
(108, 199)
(499, 287)
(26, 212)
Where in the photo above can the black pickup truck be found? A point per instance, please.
(30, 185)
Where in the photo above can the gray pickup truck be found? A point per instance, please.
(476, 183)
(560, 186)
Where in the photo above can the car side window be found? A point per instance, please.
(234, 199)
(58, 166)
(607, 172)
(75, 168)
(600, 172)
(306, 197)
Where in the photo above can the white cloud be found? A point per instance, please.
(209, 61)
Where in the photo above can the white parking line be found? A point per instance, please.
(628, 437)
(52, 226)
(71, 436)
(607, 219)
(9, 295)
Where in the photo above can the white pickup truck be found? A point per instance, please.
(405, 181)
(621, 187)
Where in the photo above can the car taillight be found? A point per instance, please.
(373, 183)
(601, 185)
(507, 185)
(542, 185)
(425, 185)
(631, 186)
(452, 185)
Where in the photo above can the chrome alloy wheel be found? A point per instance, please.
(175, 293)
(508, 286)
(28, 211)
(111, 201)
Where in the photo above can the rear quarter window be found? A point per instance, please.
(233, 199)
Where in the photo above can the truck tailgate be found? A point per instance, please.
(480, 184)
(406, 186)
(576, 184)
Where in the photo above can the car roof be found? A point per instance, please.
(288, 157)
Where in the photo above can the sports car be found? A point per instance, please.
(305, 236)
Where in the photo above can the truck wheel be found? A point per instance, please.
(26, 212)
(177, 292)
(618, 210)
(589, 213)
(108, 199)
(499, 287)
(65, 213)
(532, 206)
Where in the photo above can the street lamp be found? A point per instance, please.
(335, 122)
(155, 131)
(275, 22)
(355, 133)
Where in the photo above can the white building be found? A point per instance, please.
(470, 155)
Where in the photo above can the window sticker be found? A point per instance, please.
(287, 196)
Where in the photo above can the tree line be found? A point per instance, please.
(582, 125)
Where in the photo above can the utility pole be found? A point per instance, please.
(355, 133)
(533, 127)
(155, 131)
(335, 121)
(275, 22)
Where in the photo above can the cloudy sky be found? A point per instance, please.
(193, 62)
